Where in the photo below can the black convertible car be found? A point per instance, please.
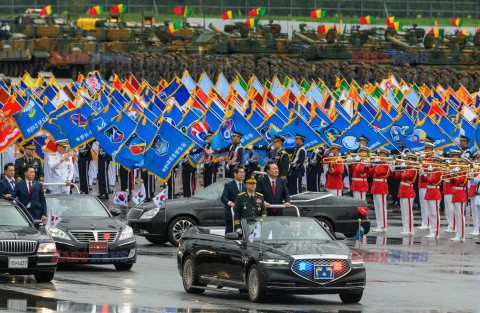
(169, 223)
(271, 255)
(85, 231)
(23, 249)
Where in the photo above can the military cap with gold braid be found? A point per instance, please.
(278, 138)
(29, 145)
(251, 180)
(63, 143)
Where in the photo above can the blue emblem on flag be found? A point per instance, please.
(226, 130)
(113, 134)
(160, 146)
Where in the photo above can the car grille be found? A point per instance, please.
(87, 236)
(134, 214)
(17, 246)
(309, 272)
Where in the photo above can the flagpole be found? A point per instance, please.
(359, 237)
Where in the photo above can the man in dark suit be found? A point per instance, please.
(30, 194)
(229, 196)
(7, 184)
(274, 190)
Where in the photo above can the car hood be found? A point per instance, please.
(309, 248)
(90, 223)
(21, 233)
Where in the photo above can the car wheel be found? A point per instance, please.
(156, 240)
(44, 277)
(351, 297)
(178, 227)
(325, 223)
(189, 276)
(123, 266)
(256, 291)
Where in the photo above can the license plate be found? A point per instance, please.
(98, 247)
(17, 262)
(323, 272)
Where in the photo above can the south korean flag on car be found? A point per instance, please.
(256, 232)
(159, 199)
(139, 196)
(121, 197)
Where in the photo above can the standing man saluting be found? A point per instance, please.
(30, 194)
(229, 196)
(61, 168)
(274, 190)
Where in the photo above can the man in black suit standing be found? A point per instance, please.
(274, 190)
(30, 194)
(229, 196)
(7, 184)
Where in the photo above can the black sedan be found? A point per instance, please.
(169, 223)
(271, 255)
(85, 231)
(23, 249)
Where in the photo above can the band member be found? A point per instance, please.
(448, 193)
(296, 171)
(432, 177)
(277, 154)
(207, 162)
(459, 179)
(334, 184)
(422, 185)
(314, 170)
(465, 151)
(360, 171)
(476, 199)
(235, 153)
(407, 174)
(380, 172)
(394, 184)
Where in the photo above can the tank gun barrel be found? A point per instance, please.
(397, 42)
(303, 37)
(218, 30)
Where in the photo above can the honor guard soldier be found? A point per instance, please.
(380, 172)
(448, 192)
(28, 159)
(209, 167)
(360, 171)
(407, 173)
(188, 177)
(314, 170)
(249, 203)
(426, 157)
(149, 184)
(102, 176)
(252, 164)
(465, 152)
(277, 154)
(61, 168)
(235, 153)
(296, 171)
(393, 183)
(84, 159)
(334, 184)
(433, 177)
(459, 179)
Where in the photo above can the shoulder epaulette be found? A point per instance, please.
(283, 151)
(242, 193)
(259, 194)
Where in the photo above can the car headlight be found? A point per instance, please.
(149, 214)
(57, 233)
(127, 233)
(48, 247)
(275, 262)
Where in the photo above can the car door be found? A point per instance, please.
(206, 257)
(230, 258)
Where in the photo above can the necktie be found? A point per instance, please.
(12, 183)
(251, 198)
(273, 187)
(240, 187)
(30, 188)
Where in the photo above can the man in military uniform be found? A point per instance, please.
(188, 177)
(149, 184)
(314, 170)
(102, 176)
(61, 168)
(84, 159)
(296, 170)
(276, 153)
(235, 153)
(464, 147)
(209, 167)
(249, 203)
(26, 160)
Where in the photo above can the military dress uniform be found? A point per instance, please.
(433, 196)
(296, 171)
(459, 200)
(334, 183)
(209, 167)
(235, 154)
(188, 177)
(22, 162)
(84, 159)
(61, 172)
(406, 193)
(380, 173)
(248, 205)
(314, 170)
(280, 157)
(102, 176)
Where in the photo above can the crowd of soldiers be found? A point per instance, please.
(154, 67)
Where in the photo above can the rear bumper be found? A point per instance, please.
(78, 253)
(36, 263)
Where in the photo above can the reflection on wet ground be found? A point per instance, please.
(13, 301)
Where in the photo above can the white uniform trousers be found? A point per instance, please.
(380, 203)
(423, 206)
(447, 199)
(335, 192)
(433, 216)
(359, 195)
(407, 214)
(476, 217)
(459, 208)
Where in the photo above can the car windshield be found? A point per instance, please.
(10, 216)
(214, 191)
(75, 206)
(286, 230)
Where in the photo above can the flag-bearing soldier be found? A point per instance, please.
(296, 170)
(235, 153)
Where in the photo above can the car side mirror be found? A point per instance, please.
(38, 223)
(115, 212)
(232, 236)
(339, 236)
